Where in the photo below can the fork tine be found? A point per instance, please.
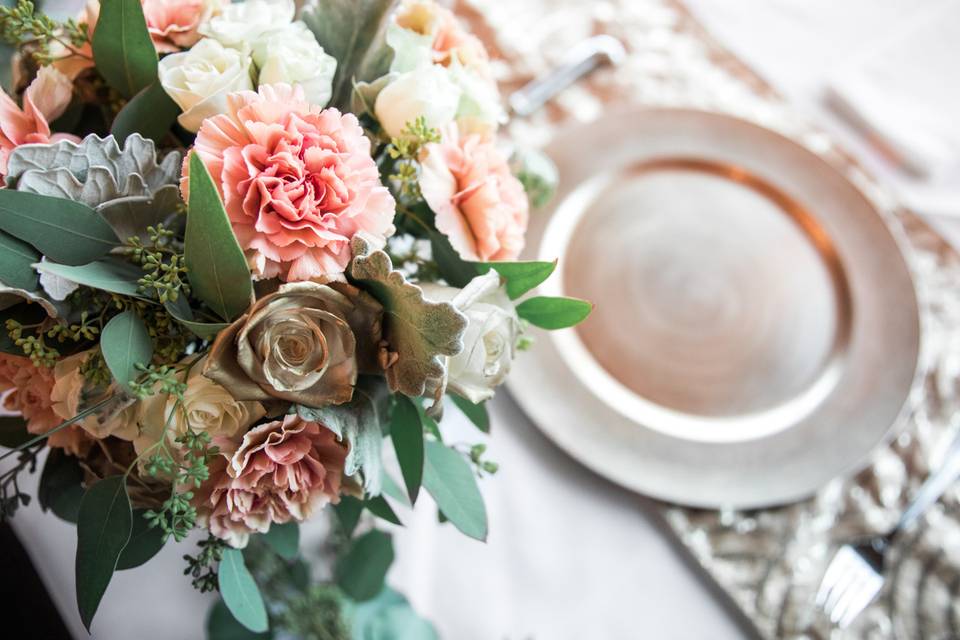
(841, 584)
(829, 580)
(856, 583)
(865, 597)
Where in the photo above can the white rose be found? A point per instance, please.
(243, 23)
(426, 91)
(480, 109)
(199, 80)
(489, 343)
(293, 55)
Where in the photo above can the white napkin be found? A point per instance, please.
(903, 94)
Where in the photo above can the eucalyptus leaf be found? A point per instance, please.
(352, 32)
(454, 269)
(221, 625)
(554, 312)
(389, 616)
(406, 432)
(103, 529)
(240, 593)
(348, 512)
(284, 539)
(13, 432)
(61, 485)
(392, 489)
(145, 542)
(125, 343)
(16, 260)
(521, 277)
(379, 507)
(449, 479)
(150, 113)
(219, 274)
(361, 572)
(477, 413)
(62, 230)
(122, 48)
(109, 274)
(182, 313)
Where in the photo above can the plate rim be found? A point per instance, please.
(896, 233)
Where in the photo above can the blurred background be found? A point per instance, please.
(725, 531)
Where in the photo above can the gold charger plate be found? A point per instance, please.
(756, 330)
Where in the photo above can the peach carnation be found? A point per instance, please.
(44, 100)
(297, 182)
(174, 24)
(479, 205)
(449, 40)
(280, 471)
(28, 392)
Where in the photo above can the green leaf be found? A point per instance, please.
(284, 539)
(393, 490)
(61, 486)
(389, 617)
(221, 625)
(64, 231)
(182, 313)
(125, 343)
(362, 570)
(149, 113)
(350, 31)
(448, 478)
(122, 48)
(16, 263)
(454, 269)
(521, 277)
(218, 271)
(477, 413)
(108, 274)
(13, 432)
(240, 593)
(348, 512)
(103, 529)
(379, 507)
(554, 313)
(145, 542)
(406, 432)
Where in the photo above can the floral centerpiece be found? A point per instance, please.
(246, 250)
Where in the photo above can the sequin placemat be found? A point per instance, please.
(771, 561)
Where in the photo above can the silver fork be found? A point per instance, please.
(855, 576)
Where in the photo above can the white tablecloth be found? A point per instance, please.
(569, 555)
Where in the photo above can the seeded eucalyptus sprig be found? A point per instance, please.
(405, 151)
(164, 265)
(23, 26)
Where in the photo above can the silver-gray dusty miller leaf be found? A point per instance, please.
(419, 334)
(127, 185)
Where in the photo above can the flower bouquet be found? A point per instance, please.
(246, 251)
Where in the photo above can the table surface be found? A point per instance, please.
(569, 554)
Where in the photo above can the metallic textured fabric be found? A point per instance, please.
(771, 561)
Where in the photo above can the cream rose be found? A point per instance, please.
(199, 80)
(293, 55)
(426, 91)
(207, 407)
(489, 343)
(305, 344)
(243, 23)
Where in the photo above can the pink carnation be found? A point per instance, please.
(44, 100)
(28, 389)
(281, 471)
(297, 182)
(479, 205)
(174, 24)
